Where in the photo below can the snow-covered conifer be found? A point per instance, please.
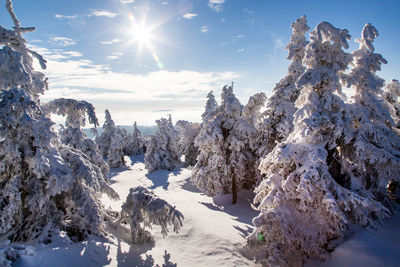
(162, 151)
(372, 158)
(142, 209)
(135, 142)
(304, 207)
(112, 142)
(188, 132)
(280, 107)
(211, 105)
(225, 163)
(44, 185)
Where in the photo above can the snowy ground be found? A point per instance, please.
(212, 234)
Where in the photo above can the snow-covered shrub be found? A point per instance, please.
(142, 209)
(226, 162)
(280, 107)
(134, 144)
(44, 185)
(188, 132)
(305, 208)
(111, 143)
(162, 151)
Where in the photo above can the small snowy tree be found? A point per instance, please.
(211, 106)
(72, 134)
(226, 162)
(188, 132)
(44, 185)
(278, 122)
(162, 151)
(111, 143)
(135, 142)
(142, 209)
(304, 208)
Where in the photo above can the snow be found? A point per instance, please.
(213, 231)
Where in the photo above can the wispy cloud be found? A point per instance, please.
(127, 1)
(114, 56)
(216, 5)
(61, 41)
(102, 13)
(59, 16)
(113, 41)
(164, 3)
(189, 15)
(278, 43)
(240, 50)
(124, 92)
(248, 11)
(204, 29)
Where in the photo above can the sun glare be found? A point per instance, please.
(141, 34)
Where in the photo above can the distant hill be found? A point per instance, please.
(145, 130)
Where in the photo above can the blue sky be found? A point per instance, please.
(94, 52)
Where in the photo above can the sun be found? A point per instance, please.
(142, 34)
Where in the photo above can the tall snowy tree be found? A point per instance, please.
(162, 151)
(278, 122)
(226, 162)
(304, 208)
(111, 143)
(44, 185)
(187, 133)
(372, 158)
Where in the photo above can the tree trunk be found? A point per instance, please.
(234, 188)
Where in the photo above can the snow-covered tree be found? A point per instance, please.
(188, 132)
(280, 107)
(44, 185)
(142, 209)
(162, 151)
(211, 105)
(135, 142)
(226, 162)
(112, 142)
(72, 134)
(391, 95)
(304, 207)
(372, 158)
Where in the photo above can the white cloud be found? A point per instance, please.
(216, 5)
(130, 93)
(102, 13)
(61, 41)
(114, 56)
(189, 15)
(59, 16)
(127, 1)
(240, 50)
(164, 3)
(204, 29)
(113, 41)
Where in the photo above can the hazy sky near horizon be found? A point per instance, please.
(144, 59)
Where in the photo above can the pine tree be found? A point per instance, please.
(391, 95)
(135, 142)
(162, 151)
(44, 185)
(278, 122)
(226, 162)
(211, 105)
(111, 143)
(303, 207)
(187, 133)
